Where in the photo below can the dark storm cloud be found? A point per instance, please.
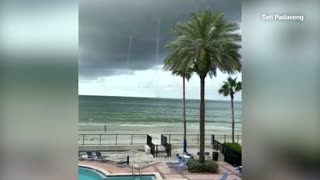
(105, 28)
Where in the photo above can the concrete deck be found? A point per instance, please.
(168, 173)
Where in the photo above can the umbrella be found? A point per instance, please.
(184, 145)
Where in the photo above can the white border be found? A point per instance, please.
(106, 173)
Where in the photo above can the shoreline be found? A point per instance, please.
(160, 128)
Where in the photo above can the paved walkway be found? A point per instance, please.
(169, 173)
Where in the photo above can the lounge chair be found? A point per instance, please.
(189, 154)
(121, 162)
(82, 156)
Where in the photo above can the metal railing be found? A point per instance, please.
(112, 139)
(139, 139)
(231, 156)
(195, 138)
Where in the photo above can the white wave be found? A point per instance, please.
(93, 124)
(137, 125)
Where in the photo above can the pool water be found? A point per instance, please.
(88, 174)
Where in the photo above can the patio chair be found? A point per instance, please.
(179, 158)
(183, 164)
(88, 156)
(239, 170)
(98, 156)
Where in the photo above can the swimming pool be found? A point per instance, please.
(90, 174)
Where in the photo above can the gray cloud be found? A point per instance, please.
(105, 27)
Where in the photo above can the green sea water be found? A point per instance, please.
(95, 112)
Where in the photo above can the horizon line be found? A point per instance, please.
(156, 97)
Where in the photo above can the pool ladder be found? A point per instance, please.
(132, 168)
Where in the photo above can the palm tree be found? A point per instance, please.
(229, 88)
(205, 43)
(185, 72)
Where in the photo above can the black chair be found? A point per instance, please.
(90, 156)
(98, 156)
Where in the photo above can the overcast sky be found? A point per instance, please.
(118, 47)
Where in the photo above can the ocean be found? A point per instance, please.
(153, 115)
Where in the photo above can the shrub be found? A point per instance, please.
(233, 146)
(232, 154)
(195, 166)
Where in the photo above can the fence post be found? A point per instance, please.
(224, 138)
(197, 138)
(83, 139)
(170, 138)
(131, 139)
(100, 139)
(116, 139)
(212, 139)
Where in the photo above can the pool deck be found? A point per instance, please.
(166, 172)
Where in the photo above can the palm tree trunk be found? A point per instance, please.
(184, 116)
(232, 116)
(202, 119)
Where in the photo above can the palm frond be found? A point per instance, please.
(205, 43)
(224, 90)
(238, 87)
(231, 86)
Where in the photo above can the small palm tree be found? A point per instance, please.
(185, 72)
(229, 88)
(205, 43)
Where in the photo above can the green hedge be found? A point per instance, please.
(208, 166)
(233, 146)
(232, 154)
